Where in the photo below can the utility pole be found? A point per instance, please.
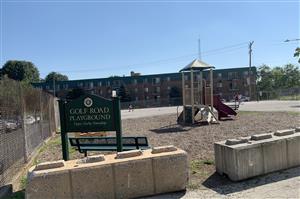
(199, 49)
(249, 73)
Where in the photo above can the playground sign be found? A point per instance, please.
(89, 113)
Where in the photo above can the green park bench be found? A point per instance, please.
(85, 144)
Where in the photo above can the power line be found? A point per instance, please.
(169, 60)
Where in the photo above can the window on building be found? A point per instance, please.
(99, 83)
(156, 80)
(145, 80)
(47, 87)
(135, 81)
(80, 84)
(157, 89)
(146, 90)
(246, 73)
(219, 84)
(91, 84)
(136, 98)
(66, 86)
(186, 77)
(168, 79)
(220, 75)
(232, 75)
(135, 90)
(108, 83)
(169, 88)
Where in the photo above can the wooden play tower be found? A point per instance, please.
(197, 94)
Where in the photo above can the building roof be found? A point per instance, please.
(196, 65)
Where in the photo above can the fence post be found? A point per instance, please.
(23, 108)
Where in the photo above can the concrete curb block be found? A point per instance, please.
(284, 132)
(163, 149)
(236, 141)
(262, 155)
(261, 136)
(129, 154)
(91, 159)
(50, 165)
(134, 174)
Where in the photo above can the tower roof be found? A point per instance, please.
(196, 65)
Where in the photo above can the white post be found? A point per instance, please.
(211, 90)
(183, 97)
(192, 94)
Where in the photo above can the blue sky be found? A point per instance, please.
(91, 39)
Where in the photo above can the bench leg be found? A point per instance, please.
(85, 153)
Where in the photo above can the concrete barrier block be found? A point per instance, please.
(163, 149)
(93, 181)
(219, 163)
(52, 183)
(170, 171)
(293, 150)
(50, 165)
(239, 161)
(274, 153)
(128, 154)
(250, 162)
(261, 136)
(284, 132)
(133, 178)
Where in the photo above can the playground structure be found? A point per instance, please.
(197, 96)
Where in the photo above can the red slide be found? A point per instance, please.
(223, 109)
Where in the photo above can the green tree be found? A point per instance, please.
(174, 92)
(291, 76)
(124, 95)
(265, 78)
(56, 76)
(175, 95)
(297, 54)
(75, 93)
(21, 71)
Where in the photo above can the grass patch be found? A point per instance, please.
(294, 113)
(290, 97)
(193, 186)
(23, 182)
(17, 195)
(198, 166)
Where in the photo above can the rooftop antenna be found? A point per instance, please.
(199, 49)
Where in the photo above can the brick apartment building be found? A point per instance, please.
(157, 87)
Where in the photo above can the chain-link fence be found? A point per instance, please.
(26, 120)
(280, 94)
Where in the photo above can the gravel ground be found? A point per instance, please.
(198, 140)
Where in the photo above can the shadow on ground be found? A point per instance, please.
(174, 195)
(176, 128)
(223, 185)
(173, 128)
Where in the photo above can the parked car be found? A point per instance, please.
(29, 120)
(245, 99)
